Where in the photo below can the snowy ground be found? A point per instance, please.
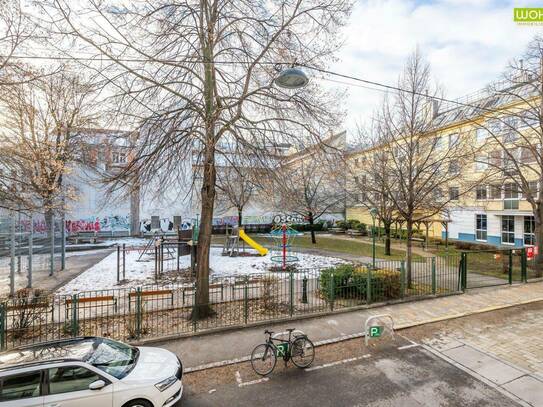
(103, 276)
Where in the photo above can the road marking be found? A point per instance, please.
(238, 377)
(339, 362)
(242, 384)
(413, 345)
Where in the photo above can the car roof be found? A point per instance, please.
(73, 349)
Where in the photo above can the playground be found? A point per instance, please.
(162, 261)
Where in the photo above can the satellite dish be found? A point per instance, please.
(291, 78)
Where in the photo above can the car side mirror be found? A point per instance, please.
(97, 385)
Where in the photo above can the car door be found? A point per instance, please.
(22, 389)
(68, 386)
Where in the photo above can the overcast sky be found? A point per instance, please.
(467, 42)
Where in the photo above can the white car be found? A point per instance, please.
(89, 372)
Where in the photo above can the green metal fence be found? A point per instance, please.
(486, 268)
(157, 310)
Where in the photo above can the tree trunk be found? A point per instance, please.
(538, 218)
(387, 238)
(240, 217)
(409, 253)
(311, 226)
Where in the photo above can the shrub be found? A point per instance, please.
(362, 227)
(306, 227)
(30, 309)
(342, 224)
(352, 223)
(351, 282)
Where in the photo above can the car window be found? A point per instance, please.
(70, 378)
(21, 386)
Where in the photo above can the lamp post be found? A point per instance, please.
(373, 213)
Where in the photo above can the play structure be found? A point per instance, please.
(231, 245)
(282, 237)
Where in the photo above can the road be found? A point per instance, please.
(393, 373)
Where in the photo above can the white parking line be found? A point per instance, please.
(339, 362)
(242, 384)
(413, 345)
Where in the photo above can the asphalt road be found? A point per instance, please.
(386, 376)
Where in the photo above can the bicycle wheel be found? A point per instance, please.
(263, 359)
(302, 352)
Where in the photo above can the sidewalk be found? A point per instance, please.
(230, 345)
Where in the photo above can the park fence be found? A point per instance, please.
(154, 311)
(31, 248)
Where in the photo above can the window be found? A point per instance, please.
(495, 158)
(454, 167)
(510, 125)
(481, 135)
(526, 155)
(529, 231)
(70, 378)
(480, 227)
(480, 192)
(453, 139)
(20, 386)
(510, 196)
(495, 192)
(510, 159)
(454, 193)
(508, 229)
(118, 157)
(533, 188)
(510, 191)
(481, 163)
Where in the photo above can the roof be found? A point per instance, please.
(66, 349)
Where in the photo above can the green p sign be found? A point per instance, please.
(282, 349)
(376, 331)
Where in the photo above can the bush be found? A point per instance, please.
(362, 227)
(462, 245)
(306, 227)
(342, 224)
(352, 223)
(351, 282)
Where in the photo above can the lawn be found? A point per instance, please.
(354, 247)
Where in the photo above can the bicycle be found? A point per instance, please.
(300, 350)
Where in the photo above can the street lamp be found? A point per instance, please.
(291, 78)
(373, 213)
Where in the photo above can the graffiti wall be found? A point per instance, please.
(166, 225)
(97, 224)
(247, 220)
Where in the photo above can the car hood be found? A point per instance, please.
(153, 364)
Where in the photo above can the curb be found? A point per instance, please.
(362, 334)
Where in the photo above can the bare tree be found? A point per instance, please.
(237, 180)
(191, 73)
(311, 183)
(426, 165)
(44, 118)
(369, 181)
(512, 133)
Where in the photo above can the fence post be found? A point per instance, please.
(433, 275)
(194, 315)
(368, 286)
(510, 267)
(523, 266)
(291, 292)
(464, 270)
(52, 242)
(246, 302)
(3, 327)
(118, 263)
(402, 278)
(63, 240)
(304, 290)
(75, 322)
(332, 289)
(12, 254)
(124, 261)
(30, 250)
(138, 312)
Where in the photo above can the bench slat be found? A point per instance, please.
(91, 299)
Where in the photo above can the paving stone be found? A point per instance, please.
(528, 389)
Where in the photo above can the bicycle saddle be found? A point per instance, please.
(268, 332)
(291, 329)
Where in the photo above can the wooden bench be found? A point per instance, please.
(120, 233)
(33, 306)
(184, 290)
(84, 236)
(104, 233)
(252, 283)
(418, 240)
(149, 293)
(90, 300)
(354, 232)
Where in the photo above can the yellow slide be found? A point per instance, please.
(260, 249)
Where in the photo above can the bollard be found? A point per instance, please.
(304, 290)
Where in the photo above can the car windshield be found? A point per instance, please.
(114, 358)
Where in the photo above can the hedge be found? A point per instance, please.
(350, 281)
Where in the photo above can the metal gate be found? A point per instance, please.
(487, 268)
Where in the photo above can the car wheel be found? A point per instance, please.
(138, 403)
